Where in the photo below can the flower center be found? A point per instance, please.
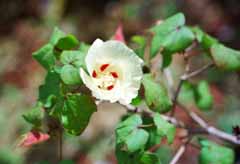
(105, 77)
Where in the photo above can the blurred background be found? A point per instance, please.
(25, 25)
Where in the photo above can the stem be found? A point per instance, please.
(187, 76)
(211, 129)
(198, 71)
(178, 155)
(145, 126)
(180, 151)
(60, 144)
(179, 86)
(176, 97)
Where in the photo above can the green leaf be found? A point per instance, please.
(75, 58)
(170, 24)
(76, 113)
(140, 41)
(205, 40)
(203, 96)
(68, 42)
(213, 153)
(51, 88)
(198, 33)
(149, 158)
(139, 157)
(164, 128)
(84, 47)
(35, 115)
(171, 36)
(186, 95)
(156, 95)
(154, 137)
(124, 157)
(56, 35)
(178, 40)
(45, 56)
(130, 136)
(225, 58)
(136, 101)
(166, 59)
(66, 162)
(70, 75)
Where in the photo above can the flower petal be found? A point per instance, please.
(128, 65)
(92, 54)
(118, 54)
(87, 80)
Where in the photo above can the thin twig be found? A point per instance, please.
(198, 71)
(176, 97)
(180, 151)
(176, 94)
(178, 155)
(145, 126)
(211, 129)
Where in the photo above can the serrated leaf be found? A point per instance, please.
(51, 87)
(156, 95)
(130, 136)
(203, 96)
(164, 128)
(70, 75)
(75, 58)
(213, 153)
(76, 113)
(45, 56)
(225, 58)
(56, 35)
(35, 115)
(67, 42)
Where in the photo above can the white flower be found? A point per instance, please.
(115, 71)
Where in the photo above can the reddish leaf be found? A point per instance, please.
(119, 34)
(32, 138)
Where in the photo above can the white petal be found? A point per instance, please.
(119, 55)
(130, 65)
(92, 55)
(112, 95)
(87, 80)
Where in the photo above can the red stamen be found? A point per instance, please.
(103, 67)
(110, 87)
(94, 74)
(114, 74)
